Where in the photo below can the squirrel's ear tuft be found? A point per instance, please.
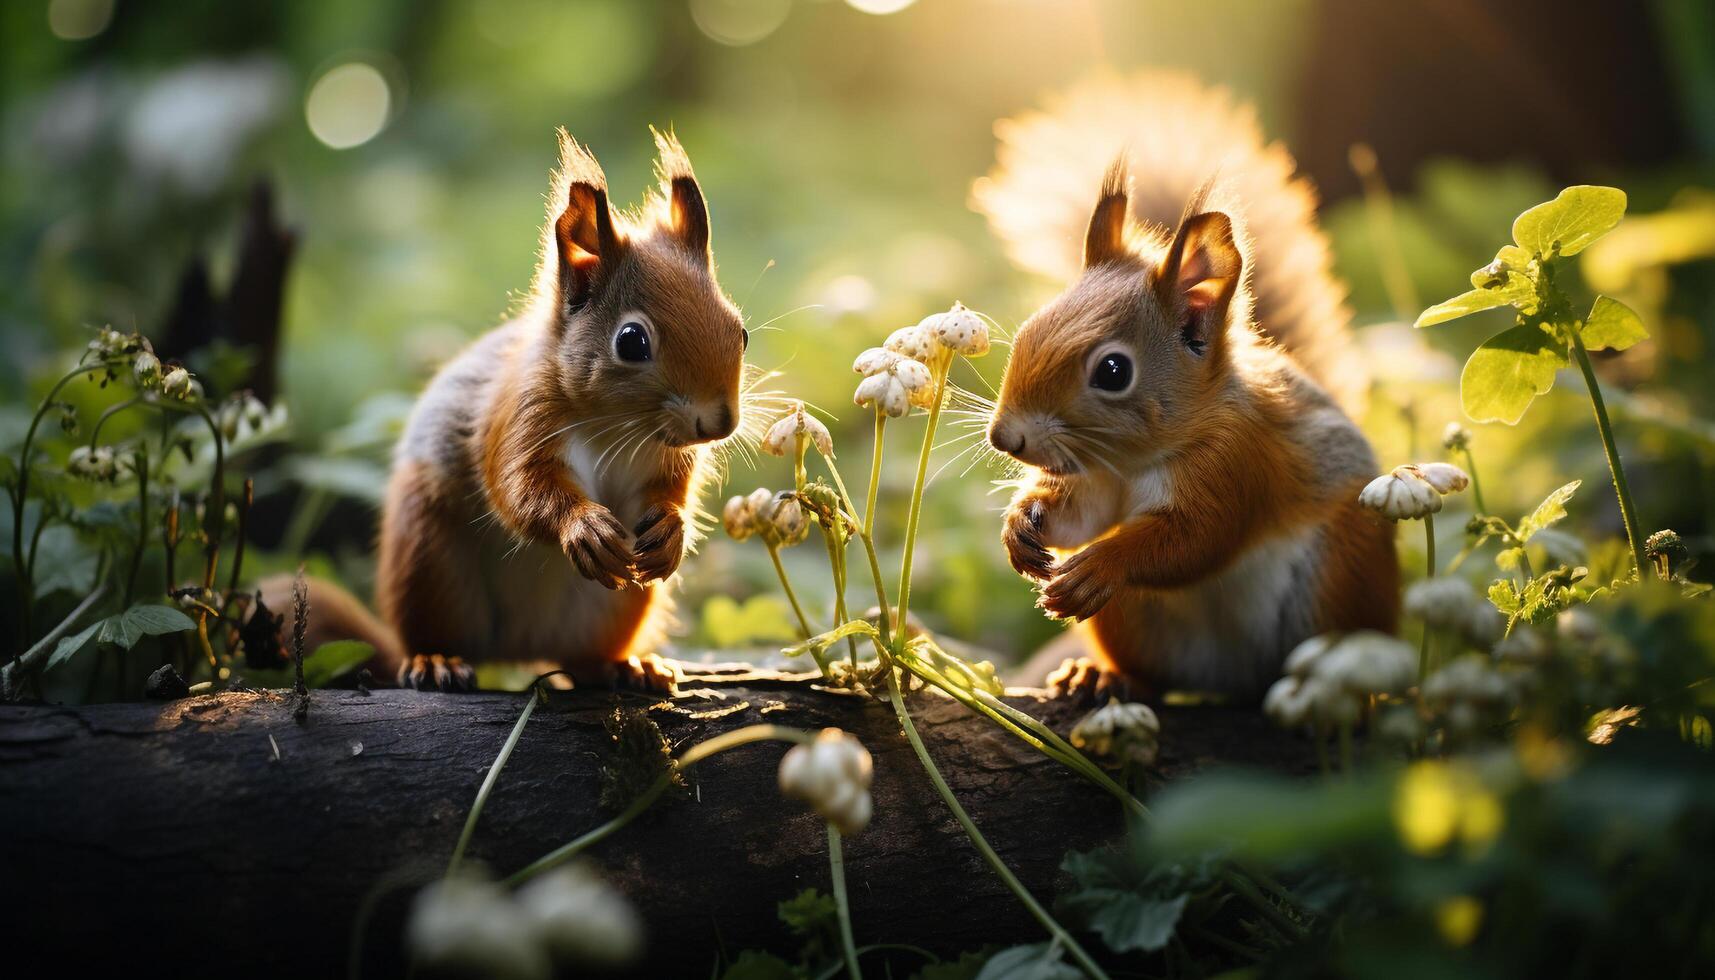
(1105, 240)
(687, 213)
(584, 233)
(1198, 277)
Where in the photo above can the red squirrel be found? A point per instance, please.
(1192, 487)
(542, 491)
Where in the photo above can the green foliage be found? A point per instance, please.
(1039, 961)
(122, 630)
(1129, 910)
(322, 666)
(1568, 224)
(760, 619)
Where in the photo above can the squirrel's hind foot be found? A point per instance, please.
(647, 672)
(1088, 680)
(434, 672)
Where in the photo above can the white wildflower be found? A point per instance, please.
(893, 382)
(1402, 495)
(1455, 438)
(832, 774)
(1453, 604)
(581, 920)
(1125, 732)
(960, 330)
(465, 925)
(1468, 694)
(782, 436)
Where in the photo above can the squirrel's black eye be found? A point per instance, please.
(632, 343)
(1112, 373)
(744, 339)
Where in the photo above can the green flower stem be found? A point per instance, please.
(837, 867)
(1615, 469)
(1476, 485)
(12, 675)
(917, 504)
(1423, 641)
(792, 597)
(690, 757)
(1011, 881)
(26, 586)
(867, 535)
(837, 567)
(142, 467)
(492, 777)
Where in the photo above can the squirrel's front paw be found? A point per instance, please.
(1081, 586)
(1087, 679)
(1022, 536)
(596, 543)
(433, 672)
(647, 672)
(660, 544)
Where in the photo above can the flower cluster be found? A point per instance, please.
(1413, 491)
(782, 437)
(96, 463)
(778, 517)
(832, 774)
(1124, 732)
(1330, 678)
(892, 382)
(567, 918)
(1452, 604)
(244, 415)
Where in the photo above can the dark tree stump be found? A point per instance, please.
(174, 835)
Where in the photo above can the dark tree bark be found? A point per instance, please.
(179, 835)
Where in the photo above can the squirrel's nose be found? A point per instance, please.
(1006, 438)
(715, 423)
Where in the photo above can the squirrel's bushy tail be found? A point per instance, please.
(1179, 137)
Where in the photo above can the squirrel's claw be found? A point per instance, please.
(1023, 539)
(1079, 589)
(434, 672)
(647, 672)
(595, 541)
(660, 544)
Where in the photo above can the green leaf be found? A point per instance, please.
(1507, 372)
(1503, 595)
(1508, 559)
(1568, 224)
(1612, 324)
(1552, 509)
(756, 965)
(70, 646)
(760, 619)
(330, 661)
(146, 619)
(1036, 962)
(1464, 304)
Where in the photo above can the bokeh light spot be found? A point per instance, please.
(348, 106)
(739, 22)
(880, 6)
(78, 20)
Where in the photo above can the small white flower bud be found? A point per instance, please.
(1402, 495)
(1124, 732)
(581, 920)
(1453, 604)
(1468, 693)
(466, 926)
(739, 518)
(1455, 438)
(146, 369)
(1329, 678)
(915, 342)
(833, 775)
(961, 330)
(177, 383)
(1444, 477)
(885, 393)
(93, 463)
(783, 435)
(787, 518)
(875, 360)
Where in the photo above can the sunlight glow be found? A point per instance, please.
(880, 6)
(348, 106)
(79, 20)
(739, 22)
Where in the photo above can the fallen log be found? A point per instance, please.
(217, 831)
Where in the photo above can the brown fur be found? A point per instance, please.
(1223, 467)
(488, 472)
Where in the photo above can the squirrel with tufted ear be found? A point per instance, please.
(1193, 477)
(541, 494)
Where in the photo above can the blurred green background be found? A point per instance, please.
(409, 142)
